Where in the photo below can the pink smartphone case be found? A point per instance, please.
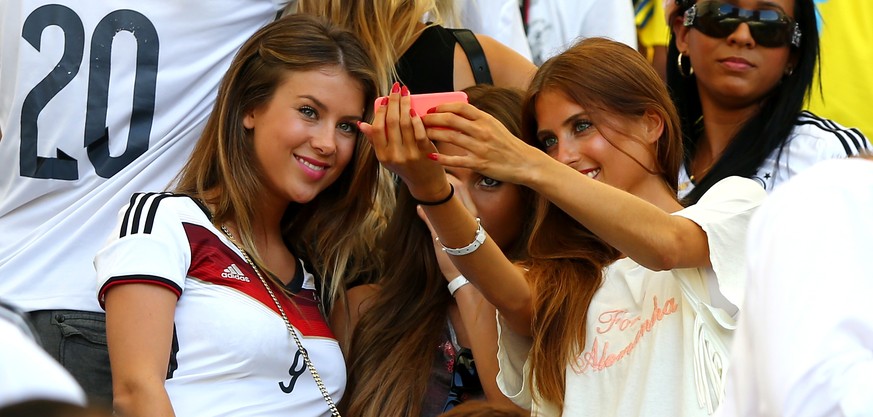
(421, 103)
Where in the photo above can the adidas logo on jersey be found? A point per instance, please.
(233, 272)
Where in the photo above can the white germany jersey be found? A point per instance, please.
(232, 354)
(813, 140)
(98, 100)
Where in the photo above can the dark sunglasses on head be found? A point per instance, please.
(769, 28)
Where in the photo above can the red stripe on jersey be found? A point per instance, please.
(212, 260)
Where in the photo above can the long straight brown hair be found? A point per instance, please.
(332, 229)
(394, 344)
(566, 260)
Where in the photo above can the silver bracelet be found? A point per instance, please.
(456, 283)
(477, 241)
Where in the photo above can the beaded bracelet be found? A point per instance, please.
(436, 203)
(477, 241)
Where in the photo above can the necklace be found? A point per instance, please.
(309, 365)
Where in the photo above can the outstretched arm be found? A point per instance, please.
(638, 228)
(398, 137)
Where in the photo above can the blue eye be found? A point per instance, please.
(308, 112)
(347, 127)
(581, 126)
(549, 141)
(489, 182)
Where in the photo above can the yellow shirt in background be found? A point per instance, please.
(652, 27)
(846, 29)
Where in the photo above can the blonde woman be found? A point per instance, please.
(425, 57)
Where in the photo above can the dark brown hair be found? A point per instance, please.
(394, 343)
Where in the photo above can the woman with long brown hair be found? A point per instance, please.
(441, 340)
(624, 305)
(211, 295)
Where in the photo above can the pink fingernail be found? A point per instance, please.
(395, 88)
(412, 113)
(385, 101)
(433, 156)
(404, 91)
(431, 110)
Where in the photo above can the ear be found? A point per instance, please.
(249, 120)
(681, 32)
(654, 126)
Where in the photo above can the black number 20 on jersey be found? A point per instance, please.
(96, 138)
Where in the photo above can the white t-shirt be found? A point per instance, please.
(71, 73)
(656, 342)
(804, 342)
(555, 25)
(28, 373)
(232, 354)
(813, 140)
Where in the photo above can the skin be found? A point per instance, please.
(311, 117)
(639, 226)
(733, 75)
(497, 203)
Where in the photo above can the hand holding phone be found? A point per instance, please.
(421, 103)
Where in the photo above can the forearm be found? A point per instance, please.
(639, 229)
(140, 397)
(499, 281)
(480, 321)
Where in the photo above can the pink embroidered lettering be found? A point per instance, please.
(598, 357)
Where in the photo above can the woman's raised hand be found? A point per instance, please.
(401, 144)
(491, 149)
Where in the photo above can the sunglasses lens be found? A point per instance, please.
(769, 28)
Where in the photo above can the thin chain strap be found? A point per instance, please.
(330, 404)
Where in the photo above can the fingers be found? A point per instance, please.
(375, 132)
(393, 130)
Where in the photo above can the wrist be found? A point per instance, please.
(456, 283)
(436, 201)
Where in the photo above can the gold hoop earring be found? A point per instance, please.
(680, 67)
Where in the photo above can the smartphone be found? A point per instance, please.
(421, 103)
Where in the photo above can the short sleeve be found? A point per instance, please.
(148, 245)
(513, 351)
(723, 213)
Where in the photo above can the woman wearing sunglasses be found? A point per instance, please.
(742, 71)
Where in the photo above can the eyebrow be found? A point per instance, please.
(323, 107)
(771, 5)
(567, 121)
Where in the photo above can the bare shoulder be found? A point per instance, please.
(508, 67)
(360, 299)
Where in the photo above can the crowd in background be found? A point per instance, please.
(623, 208)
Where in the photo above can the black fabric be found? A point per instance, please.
(428, 65)
(475, 54)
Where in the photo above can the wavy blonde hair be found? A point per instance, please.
(386, 27)
(334, 231)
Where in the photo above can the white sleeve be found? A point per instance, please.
(612, 19)
(724, 212)
(149, 245)
(28, 373)
(499, 19)
(804, 344)
(513, 352)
